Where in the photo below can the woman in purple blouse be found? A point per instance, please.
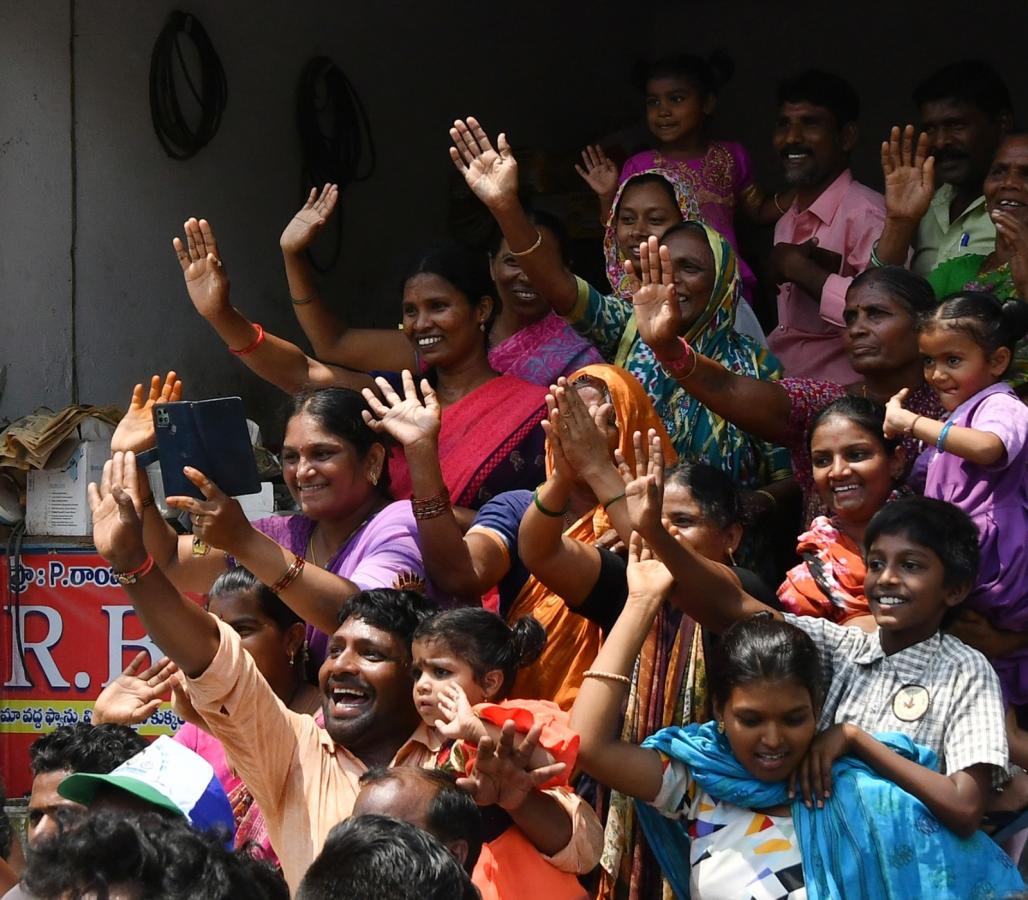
(348, 536)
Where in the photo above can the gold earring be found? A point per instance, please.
(721, 727)
(481, 326)
(731, 556)
(373, 478)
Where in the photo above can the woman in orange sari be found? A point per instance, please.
(485, 565)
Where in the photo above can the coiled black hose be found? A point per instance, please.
(178, 138)
(336, 143)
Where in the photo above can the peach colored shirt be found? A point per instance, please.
(302, 780)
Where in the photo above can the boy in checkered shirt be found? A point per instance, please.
(908, 676)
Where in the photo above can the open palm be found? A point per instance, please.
(202, 270)
(406, 419)
(657, 313)
(135, 431)
(492, 174)
(909, 174)
(305, 225)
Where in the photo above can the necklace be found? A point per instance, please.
(312, 556)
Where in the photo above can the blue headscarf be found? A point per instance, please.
(871, 840)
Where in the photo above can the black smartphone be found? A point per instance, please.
(209, 435)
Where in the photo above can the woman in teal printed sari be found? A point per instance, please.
(706, 281)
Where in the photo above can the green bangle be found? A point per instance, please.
(549, 512)
(613, 500)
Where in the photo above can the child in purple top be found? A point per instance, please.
(681, 94)
(977, 460)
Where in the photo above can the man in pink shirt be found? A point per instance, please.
(825, 236)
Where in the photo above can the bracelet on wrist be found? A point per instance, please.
(940, 444)
(607, 504)
(553, 514)
(607, 676)
(303, 301)
(253, 345)
(771, 497)
(290, 575)
(913, 424)
(133, 575)
(431, 507)
(682, 366)
(538, 243)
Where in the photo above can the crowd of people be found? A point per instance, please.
(530, 630)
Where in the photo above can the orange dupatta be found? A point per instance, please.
(572, 641)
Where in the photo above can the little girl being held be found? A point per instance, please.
(464, 663)
(977, 460)
(681, 95)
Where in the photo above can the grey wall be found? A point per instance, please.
(550, 74)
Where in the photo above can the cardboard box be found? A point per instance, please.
(56, 501)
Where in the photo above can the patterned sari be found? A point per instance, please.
(572, 642)
(543, 351)
(697, 433)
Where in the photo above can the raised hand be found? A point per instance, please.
(204, 274)
(598, 171)
(305, 225)
(134, 696)
(644, 487)
(218, 520)
(1012, 237)
(554, 439)
(583, 434)
(909, 175)
(648, 578)
(898, 421)
(407, 420)
(657, 314)
(501, 775)
(135, 431)
(457, 720)
(117, 514)
(491, 174)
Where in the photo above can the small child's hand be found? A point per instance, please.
(898, 421)
(598, 171)
(457, 720)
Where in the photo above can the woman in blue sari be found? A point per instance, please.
(725, 805)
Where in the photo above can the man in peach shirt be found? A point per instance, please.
(305, 778)
(825, 236)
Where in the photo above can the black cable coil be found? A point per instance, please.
(177, 137)
(336, 144)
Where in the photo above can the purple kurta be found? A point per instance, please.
(378, 555)
(996, 498)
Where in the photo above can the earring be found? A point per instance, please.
(373, 478)
(731, 556)
(721, 727)
(481, 326)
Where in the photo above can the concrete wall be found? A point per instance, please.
(550, 74)
(416, 67)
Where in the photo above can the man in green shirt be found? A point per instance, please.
(965, 112)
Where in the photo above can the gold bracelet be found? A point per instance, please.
(538, 243)
(431, 507)
(778, 205)
(290, 575)
(200, 546)
(769, 495)
(608, 676)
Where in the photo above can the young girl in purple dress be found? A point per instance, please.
(977, 459)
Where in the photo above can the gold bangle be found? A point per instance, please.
(290, 575)
(769, 495)
(608, 676)
(778, 205)
(200, 546)
(431, 507)
(538, 243)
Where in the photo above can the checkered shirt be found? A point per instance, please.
(964, 723)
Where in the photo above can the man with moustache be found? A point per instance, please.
(305, 777)
(965, 113)
(825, 236)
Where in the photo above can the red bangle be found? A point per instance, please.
(249, 348)
(133, 575)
